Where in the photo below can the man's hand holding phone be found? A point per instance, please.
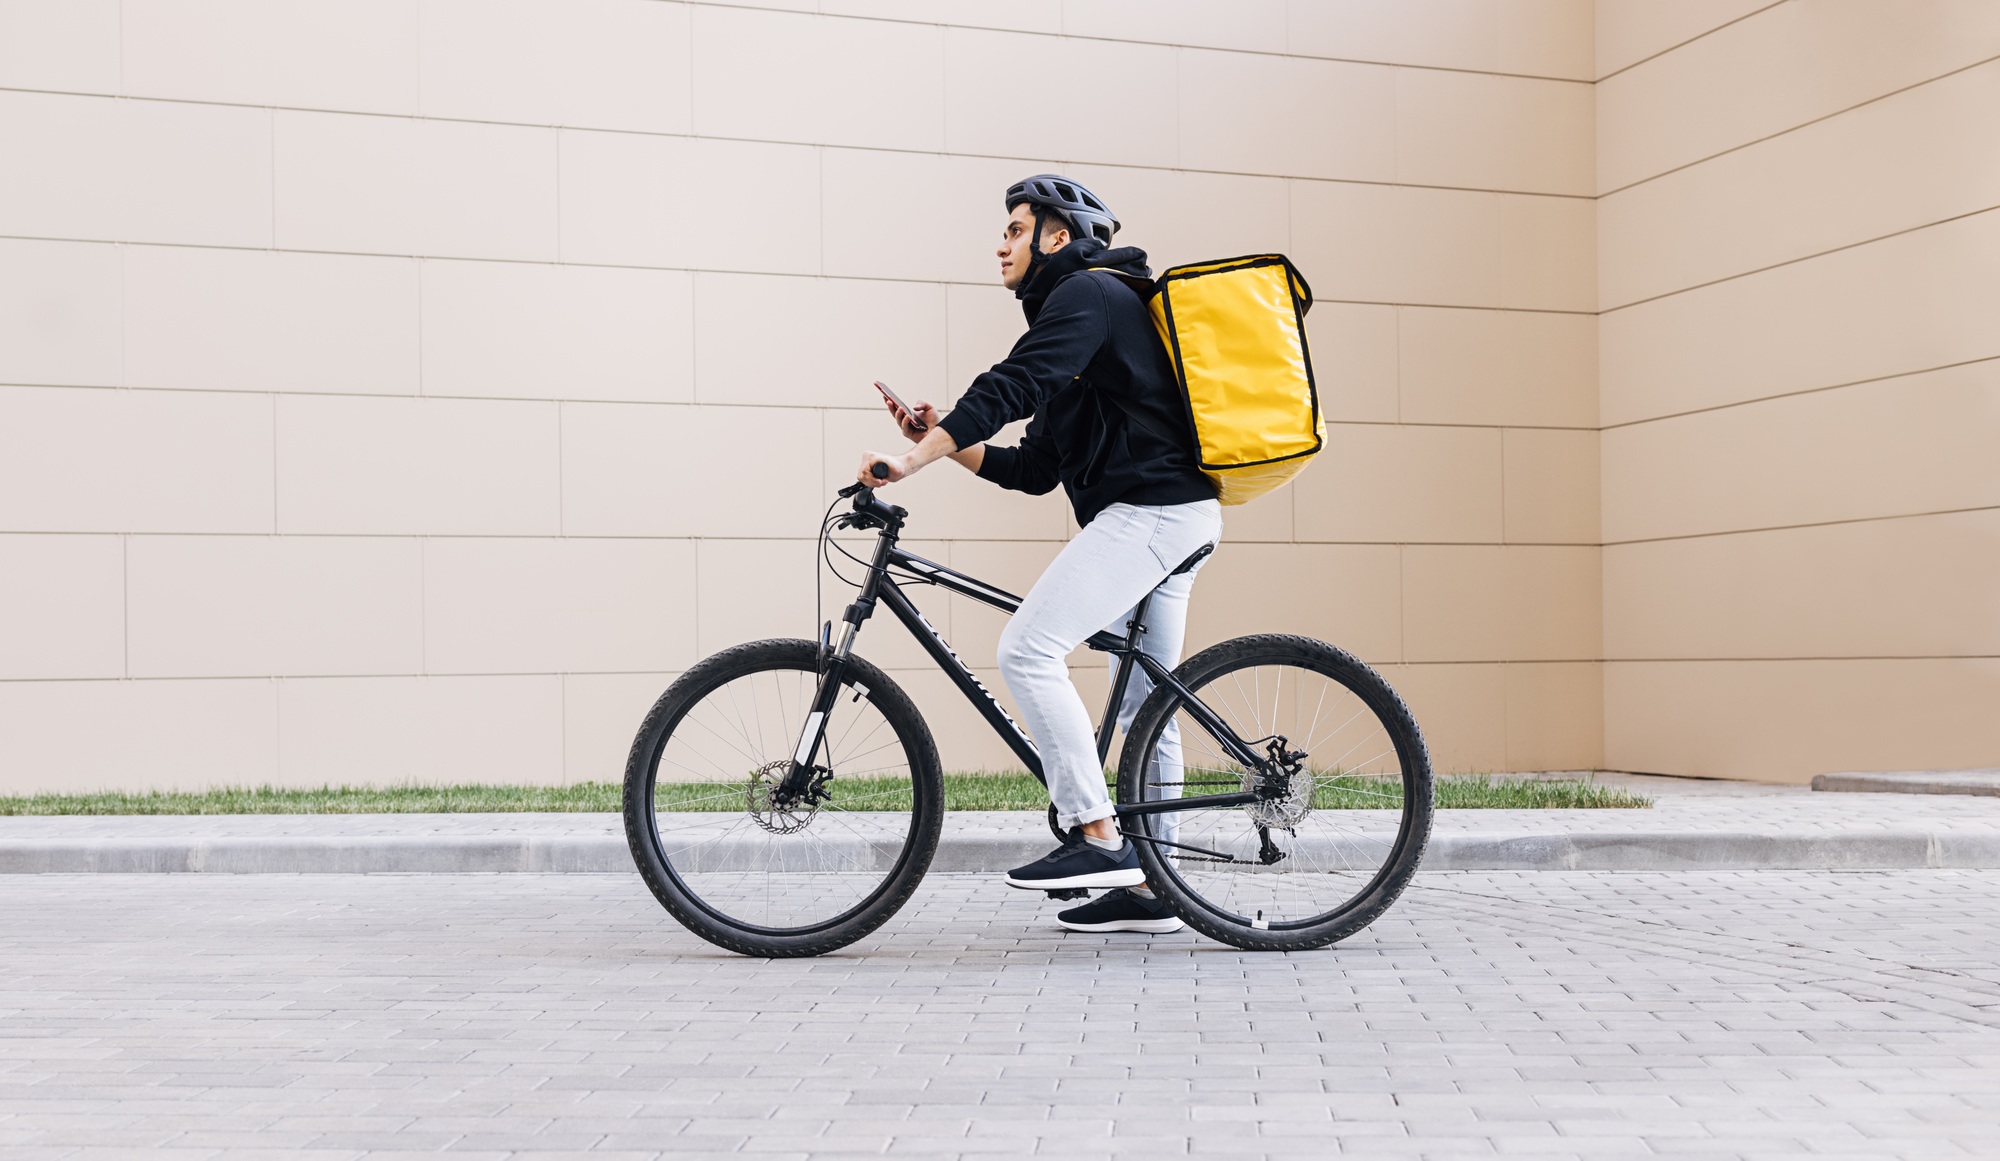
(915, 419)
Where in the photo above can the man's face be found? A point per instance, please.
(1014, 244)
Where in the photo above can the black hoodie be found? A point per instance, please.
(1109, 424)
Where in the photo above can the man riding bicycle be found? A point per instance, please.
(1108, 424)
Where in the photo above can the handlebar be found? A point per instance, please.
(880, 471)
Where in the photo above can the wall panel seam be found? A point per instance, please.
(1802, 258)
(1801, 391)
(1805, 524)
(563, 400)
(1690, 40)
(946, 282)
(1801, 125)
(799, 144)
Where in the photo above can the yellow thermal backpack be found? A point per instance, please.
(1236, 331)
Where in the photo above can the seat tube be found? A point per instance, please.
(1122, 679)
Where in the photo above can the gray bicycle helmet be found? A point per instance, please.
(1085, 212)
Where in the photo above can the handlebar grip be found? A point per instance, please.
(880, 471)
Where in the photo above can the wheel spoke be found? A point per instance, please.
(1344, 827)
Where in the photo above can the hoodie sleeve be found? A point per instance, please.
(1029, 467)
(1065, 336)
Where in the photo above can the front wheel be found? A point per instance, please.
(1345, 793)
(746, 871)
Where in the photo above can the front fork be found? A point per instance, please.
(833, 660)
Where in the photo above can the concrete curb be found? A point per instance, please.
(459, 854)
(1984, 782)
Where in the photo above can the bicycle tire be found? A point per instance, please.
(887, 855)
(1350, 855)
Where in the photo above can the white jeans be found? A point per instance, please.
(1095, 583)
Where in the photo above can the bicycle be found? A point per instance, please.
(802, 796)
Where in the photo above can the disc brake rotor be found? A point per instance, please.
(764, 809)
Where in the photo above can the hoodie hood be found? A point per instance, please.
(1127, 262)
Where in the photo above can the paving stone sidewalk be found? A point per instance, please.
(1695, 825)
(1552, 1014)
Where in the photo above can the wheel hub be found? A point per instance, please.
(765, 809)
(1285, 795)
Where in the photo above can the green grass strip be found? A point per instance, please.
(1013, 790)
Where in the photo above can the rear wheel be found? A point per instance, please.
(753, 875)
(1343, 819)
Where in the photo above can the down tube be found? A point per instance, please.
(974, 690)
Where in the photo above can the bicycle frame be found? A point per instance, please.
(881, 586)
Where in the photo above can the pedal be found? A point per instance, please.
(1064, 894)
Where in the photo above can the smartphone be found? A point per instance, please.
(900, 406)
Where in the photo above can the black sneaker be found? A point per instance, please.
(1121, 910)
(1078, 864)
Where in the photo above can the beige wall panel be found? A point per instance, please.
(59, 313)
(71, 45)
(380, 731)
(1629, 31)
(1924, 299)
(982, 324)
(1404, 244)
(495, 605)
(816, 342)
(1462, 710)
(1916, 587)
(947, 228)
(1777, 70)
(1549, 38)
(1501, 603)
(412, 466)
(253, 606)
(610, 64)
(389, 185)
(1388, 484)
(1919, 443)
(1492, 132)
(261, 320)
(142, 171)
(754, 589)
(1894, 165)
(1248, 25)
(1355, 364)
(1555, 716)
(985, 73)
(1180, 217)
(1785, 721)
(531, 331)
(1551, 486)
(1236, 114)
(601, 716)
(944, 499)
(76, 737)
(627, 200)
(62, 607)
(1349, 594)
(1268, 520)
(134, 461)
(1016, 15)
(1495, 367)
(320, 54)
(648, 470)
(867, 83)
